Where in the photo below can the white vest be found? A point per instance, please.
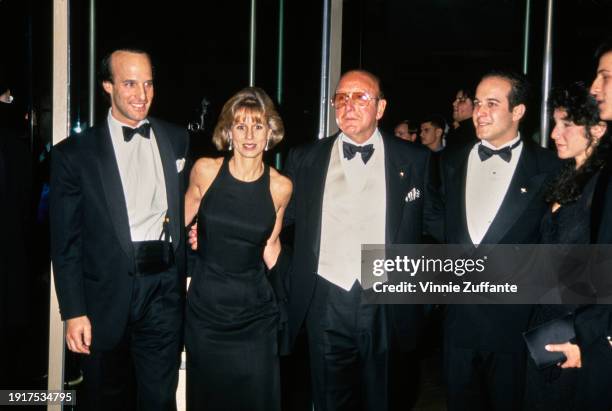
(352, 215)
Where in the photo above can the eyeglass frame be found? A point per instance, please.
(349, 96)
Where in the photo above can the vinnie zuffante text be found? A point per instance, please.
(413, 266)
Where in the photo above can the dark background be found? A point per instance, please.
(422, 49)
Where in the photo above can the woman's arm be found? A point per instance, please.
(202, 175)
(281, 189)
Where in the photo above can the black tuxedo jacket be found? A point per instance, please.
(495, 327)
(598, 321)
(405, 169)
(91, 246)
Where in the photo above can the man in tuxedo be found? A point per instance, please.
(492, 193)
(351, 189)
(594, 389)
(117, 244)
(601, 89)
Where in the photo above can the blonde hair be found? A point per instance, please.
(250, 101)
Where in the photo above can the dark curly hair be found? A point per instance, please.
(582, 110)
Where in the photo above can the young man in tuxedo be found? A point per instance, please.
(492, 193)
(594, 388)
(351, 189)
(117, 244)
(601, 89)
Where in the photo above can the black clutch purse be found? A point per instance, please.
(558, 331)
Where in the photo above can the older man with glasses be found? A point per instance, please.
(351, 189)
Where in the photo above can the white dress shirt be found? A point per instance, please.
(486, 185)
(142, 179)
(353, 211)
(355, 170)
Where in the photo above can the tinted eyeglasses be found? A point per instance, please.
(358, 98)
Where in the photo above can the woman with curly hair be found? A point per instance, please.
(581, 140)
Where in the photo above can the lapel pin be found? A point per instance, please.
(401, 173)
(523, 190)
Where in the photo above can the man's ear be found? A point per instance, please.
(107, 86)
(380, 108)
(518, 112)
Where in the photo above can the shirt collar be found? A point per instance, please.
(374, 139)
(112, 120)
(509, 143)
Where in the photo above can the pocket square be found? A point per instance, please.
(180, 164)
(413, 194)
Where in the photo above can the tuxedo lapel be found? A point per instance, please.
(458, 232)
(398, 178)
(168, 159)
(525, 184)
(113, 189)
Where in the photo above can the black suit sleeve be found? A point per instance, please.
(601, 214)
(283, 266)
(433, 213)
(66, 236)
(290, 171)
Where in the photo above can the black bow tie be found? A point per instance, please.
(505, 153)
(351, 149)
(144, 130)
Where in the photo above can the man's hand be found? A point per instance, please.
(571, 351)
(78, 334)
(193, 237)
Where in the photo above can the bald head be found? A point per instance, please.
(359, 104)
(366, 76)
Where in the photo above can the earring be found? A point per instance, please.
(267, 144)
(230, 144)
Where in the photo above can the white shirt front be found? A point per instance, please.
(353, 211)
(486, 185)
(355, 170)
(142, 180)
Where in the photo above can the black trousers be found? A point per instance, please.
(349, 350)
(141, 371)
(483, 380)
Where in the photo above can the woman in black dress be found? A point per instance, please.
(581, 140)
(232, 316)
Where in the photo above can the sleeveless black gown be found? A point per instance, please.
(231, 324)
